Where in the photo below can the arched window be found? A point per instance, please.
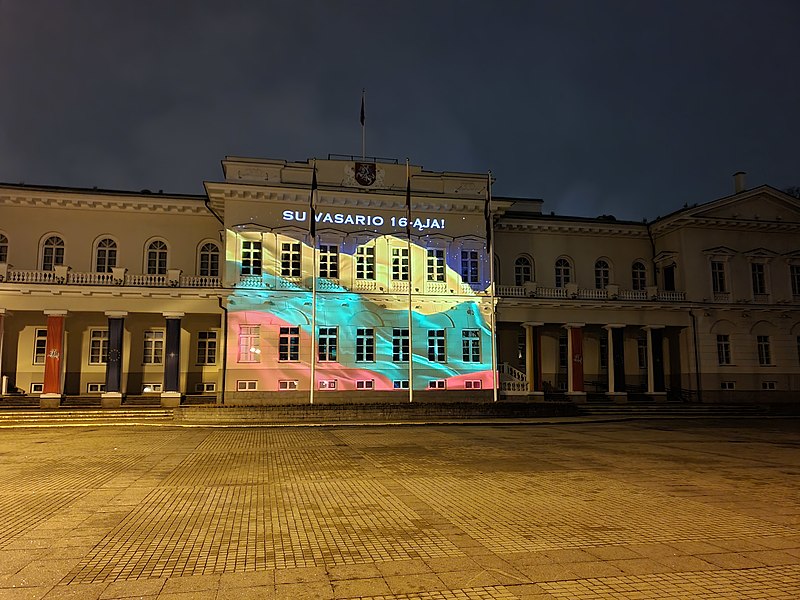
(52, 253)
(563, 272)
(638, 276)
(523, 270)
(157, 258)
(105, 256)
(209, 260)
(3, 248)
(602, 274)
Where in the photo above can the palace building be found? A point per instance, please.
(358, 280)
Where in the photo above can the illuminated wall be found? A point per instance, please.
(275, 306)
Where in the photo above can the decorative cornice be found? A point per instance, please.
(156, 204)
(590, 228)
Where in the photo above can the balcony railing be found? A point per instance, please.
(62, 275)
(610, 293)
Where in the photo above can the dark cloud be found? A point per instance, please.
(623, 107)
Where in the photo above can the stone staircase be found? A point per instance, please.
(659, 410)
(33, 417)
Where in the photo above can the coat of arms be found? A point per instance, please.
(365, 173)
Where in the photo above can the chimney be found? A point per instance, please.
(738, 181)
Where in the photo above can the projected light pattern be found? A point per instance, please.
(270, 329)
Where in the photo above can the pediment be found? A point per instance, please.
(760, 253)
(761, 204)
(719, 251)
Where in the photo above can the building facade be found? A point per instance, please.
(372, 280)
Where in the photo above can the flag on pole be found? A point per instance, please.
(488, 213)
(363, 116)
(408, 202)
(312, 227)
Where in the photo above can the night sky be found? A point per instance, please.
(630, 108)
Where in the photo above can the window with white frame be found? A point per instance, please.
(329, 261)
(205, 387)
(3, 248)
(365, 262)
(471, 345)
(523, 270)
(328, 343)
(470, 266)
(246, 385)
(400, 344)
(327, 384)
(39, 346)
(153, 352)
(436, 345)
(437, 384)
(563, 272)
(723, 349)
(727, 385)
(472, 384)
(249, 343)
(794, 276)
(758, 277)
(251, 257)
(287, 384)
(365, 344)
(764, 350)
(400, 384)
(105, 258)
(206, 347)
(602, 274)
(290, 259)
(638, 276)
(208, 260)
(157, 258)
(98, 346)
(37, 388)
(95, 388)
(289, 344)
(436, 264)
(719, 284)
(769, 385)
(399, 264)
(52, 253)
(151, 388)
(365, 384)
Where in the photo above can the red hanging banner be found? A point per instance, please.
(53, 353)
(576, 334)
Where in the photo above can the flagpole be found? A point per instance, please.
(312, 229)
(363, 124)
(489, 227)
(410, 281)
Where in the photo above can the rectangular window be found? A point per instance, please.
(249, 343)
(794, 274)
(470, 272)
(98, 346)
(329, 261)
(206, 387)
(603, 353)
(764, 352)
(290, 259)
(327, 384)
(37, 388)
(95, 388)
(727, 385)
(365, 262)
(289, 344)
(759, 278)
(718, 284)
(327, 344)
(400, 264)
(641, 353)
(151, 388)
(562, 351)
(400, 384)
(769, 385)
(251, 258)
(246, 385)
(437, 384)
(365, 344)
(400, 344)
(723, 349)
(436, 346)
(206, 347)
(669, 278)
(436, 268)
(472, 384)
(40, 346)
(287, 384)
(365, 384)
(471, 345)
(153, 348)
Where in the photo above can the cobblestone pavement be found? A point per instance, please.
(646, 509)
